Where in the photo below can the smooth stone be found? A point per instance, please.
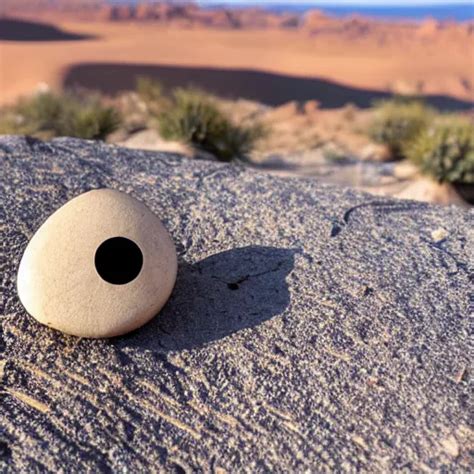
(59, 277)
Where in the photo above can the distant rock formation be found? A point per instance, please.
(183, 13)
(314, 20)
(190, 14)
(428, 28)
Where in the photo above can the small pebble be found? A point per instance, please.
(439, 234)
(100, 266)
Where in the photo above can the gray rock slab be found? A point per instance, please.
(312, 327)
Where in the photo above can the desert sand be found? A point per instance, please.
(437, 62)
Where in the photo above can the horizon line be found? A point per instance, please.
(354, 3)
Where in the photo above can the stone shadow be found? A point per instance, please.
(219, 296)
(13, 29)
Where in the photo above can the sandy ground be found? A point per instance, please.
(437, 66)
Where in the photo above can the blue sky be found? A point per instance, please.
(348, 2)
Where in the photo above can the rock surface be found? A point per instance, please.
(312, 327)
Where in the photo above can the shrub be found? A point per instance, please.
(47, 115)
(151, 92)
(149, 89)
(397, 122)
(93, 121)
(445, 150)
(195, 118)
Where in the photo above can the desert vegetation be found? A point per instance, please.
(441, 145)
(445, 150)
(186, 115)
(399, 121)
(47, 114)
(194, 117)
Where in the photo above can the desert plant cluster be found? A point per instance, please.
(187, 115)
(442, 145)
(445, 151)
(399, 121)
(48, 114)
(193, 116)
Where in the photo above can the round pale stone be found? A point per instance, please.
(67, 283)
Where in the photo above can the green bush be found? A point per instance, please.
(151, 92)
(195, 118)
(397, 122)
(445, 150)
(47, 115)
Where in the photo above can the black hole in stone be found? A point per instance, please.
(232, 286)
(118, 260)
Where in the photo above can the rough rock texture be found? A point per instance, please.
(312, 327)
